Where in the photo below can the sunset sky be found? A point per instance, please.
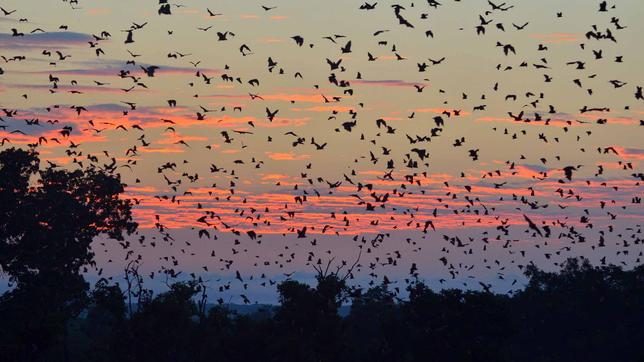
(371, 186)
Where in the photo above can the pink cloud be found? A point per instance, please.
(290, 156)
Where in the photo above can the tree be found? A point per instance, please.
(585, 312)
(454, 324)
(48, 219)
(307, 319)
(165, 326)
(102, 333)
(373, 328)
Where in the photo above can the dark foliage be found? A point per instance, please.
(48, 219)
(582, 313)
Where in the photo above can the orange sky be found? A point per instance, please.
(352, 146)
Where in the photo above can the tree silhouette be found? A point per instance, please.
(48, 219)
(373, 327)
(584, 312)
(308, 318)
(174, 331)
(105, 325)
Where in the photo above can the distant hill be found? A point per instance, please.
(248, 309)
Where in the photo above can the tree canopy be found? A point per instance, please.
(48, 220)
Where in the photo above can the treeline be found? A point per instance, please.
(581, 313)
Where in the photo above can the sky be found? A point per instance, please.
(420, 151)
